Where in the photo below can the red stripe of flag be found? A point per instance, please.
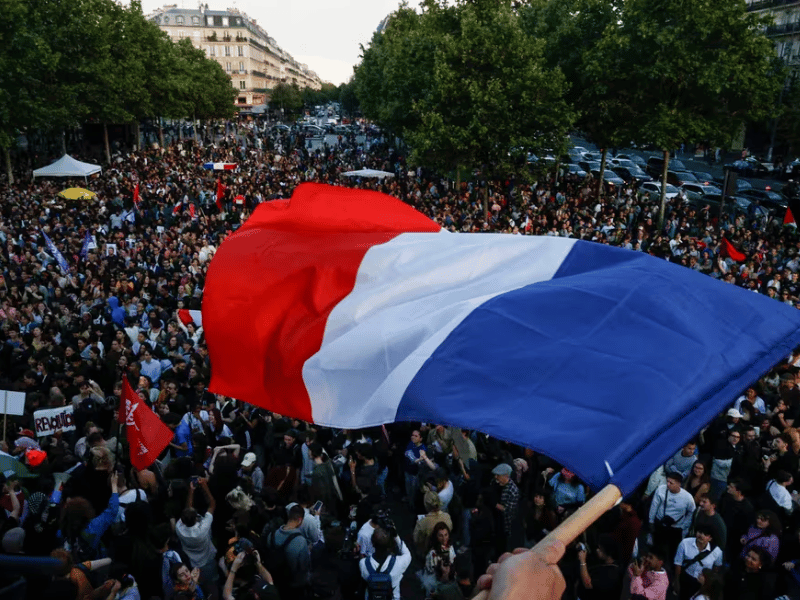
(248, 300)
(788, 218)
(220, 192)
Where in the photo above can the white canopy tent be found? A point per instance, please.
(66, 166)
(368, 173)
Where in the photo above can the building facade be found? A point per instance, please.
(784, 30)
(252, 59)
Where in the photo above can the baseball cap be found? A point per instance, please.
(734, 413)
(248, 459)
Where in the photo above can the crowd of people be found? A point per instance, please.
(249, 503)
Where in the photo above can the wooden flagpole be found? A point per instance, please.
(576, 523)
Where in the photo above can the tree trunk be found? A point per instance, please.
(194, 126)
(63, 142)
(138, 135)
(602, 173)
(106, 144)
(458, 181)
(9, 170)
(663, 191)
(160, 133)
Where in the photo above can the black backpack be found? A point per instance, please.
(276, 562)
(379, 583)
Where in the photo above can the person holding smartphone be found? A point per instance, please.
(648, 577)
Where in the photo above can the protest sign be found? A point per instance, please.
(48, 421)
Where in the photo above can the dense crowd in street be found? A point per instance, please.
(248, 503)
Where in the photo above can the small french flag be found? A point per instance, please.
(190, 316)
(219, 166)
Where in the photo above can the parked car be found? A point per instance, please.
(702, 176)
(576, 170)
(749, 167)
(767, 198)
(655, 166)
(609, 177)
(696, 190)
(654, 189)
(632, 174)
(678, 178)
(589, 165)
(635, 158)
(741, 183)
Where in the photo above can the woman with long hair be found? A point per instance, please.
(763, 534)
(440, 552)
(698, 482)
(711, 586)
(218, 428)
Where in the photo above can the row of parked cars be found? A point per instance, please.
(698, 188)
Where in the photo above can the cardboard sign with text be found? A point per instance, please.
(48, 421)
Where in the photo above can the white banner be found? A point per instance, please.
(48, 421)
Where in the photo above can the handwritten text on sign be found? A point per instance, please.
(48, 421)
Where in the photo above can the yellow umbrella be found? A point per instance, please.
(77, 194)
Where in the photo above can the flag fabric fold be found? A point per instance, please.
(87, 239)
(350, 309)
(55, 253)
(219, 166)
(136, 197)
(176, 210)
(221, 187)
(729, 250)
(788, 218)
(147, 435)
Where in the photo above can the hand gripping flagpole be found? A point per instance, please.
(576, 523)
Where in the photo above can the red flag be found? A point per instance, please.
(176, 210)
(788, 218)
(728, 249)
(136, 197)
(192, 211)
(147, 435)
(220, 192)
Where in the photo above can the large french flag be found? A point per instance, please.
(348, 308)
(220, 166)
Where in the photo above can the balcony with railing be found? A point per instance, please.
(257, 74)
(240, 72)
(784, 29)
(762, 4)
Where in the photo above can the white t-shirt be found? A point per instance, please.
(365, 539)
(400, 565)
(196, 540)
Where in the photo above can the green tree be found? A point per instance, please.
(572, 30)
(286, 97)
(26, 57)
(465, 86)
(687, 71)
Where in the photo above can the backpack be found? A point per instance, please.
(276, 562)
(379, 583)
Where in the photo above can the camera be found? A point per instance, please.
(445, 557)
(384, 520)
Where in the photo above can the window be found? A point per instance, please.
(224, 21)
(166, 19)
(241, 66)
(228, 67)
(210, 21)
(212, 51)
(242, 100)
(227, 50)
(241, 84)
(195, 20)
(179, 20)
(241, 50)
